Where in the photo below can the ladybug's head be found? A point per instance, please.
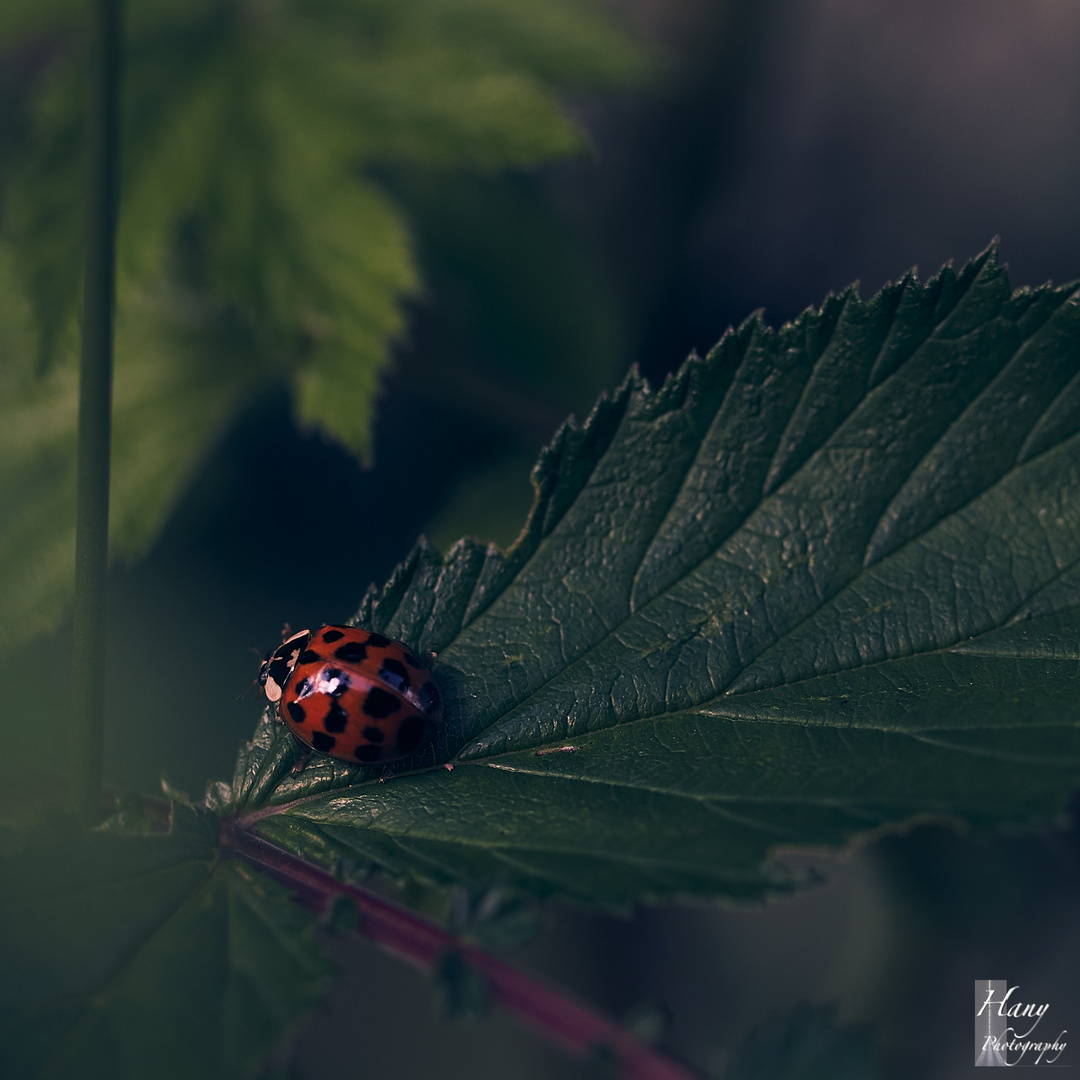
(278, 665)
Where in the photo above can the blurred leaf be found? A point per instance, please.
(247, 131)
(463, 993)
(253, 246)
(489, 503)
(494, 918)
(519, 315)
(342, 916)
(136, 956)
(650, 1021)
(43, 211)
(35, 16)
(806, 1044)
(181, 371)
(821, 582)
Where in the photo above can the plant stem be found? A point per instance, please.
(95, 413)
(578, 1029)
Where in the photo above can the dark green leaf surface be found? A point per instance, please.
(141, 956)
(822, 581)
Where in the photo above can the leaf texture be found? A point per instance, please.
(135, 956)
(822, 581)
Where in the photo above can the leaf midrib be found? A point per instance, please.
(629, 783)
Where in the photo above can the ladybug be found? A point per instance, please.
(353, 694)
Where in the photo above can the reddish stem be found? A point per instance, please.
(578, 1029)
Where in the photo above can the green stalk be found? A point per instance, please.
(95, 413)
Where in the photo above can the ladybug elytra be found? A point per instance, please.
(353, 694)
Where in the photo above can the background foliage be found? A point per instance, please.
(256, 247)
(788, 148)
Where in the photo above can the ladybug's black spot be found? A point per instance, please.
(411, 660)
(380, 703)
(394, 673)
(308, 656)
(297, 712)
(337, 718)
(367, 752)
(352, 652)
(374, 734)
(322, 742)
(410, 733)
(332, 635)
(429, 697)
(378, 641)
(303, 688)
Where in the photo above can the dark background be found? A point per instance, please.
(784, 150)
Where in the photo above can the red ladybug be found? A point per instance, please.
(353, 694)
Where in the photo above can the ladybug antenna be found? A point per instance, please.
(258, 680)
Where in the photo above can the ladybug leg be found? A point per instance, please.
(301, 761)
(387, 774)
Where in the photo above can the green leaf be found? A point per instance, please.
(34, 16)
(181, 372)
(254, 247)
(135, 956)
(247, 139)
(488, 503)
(523, 314)
(821, 582)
